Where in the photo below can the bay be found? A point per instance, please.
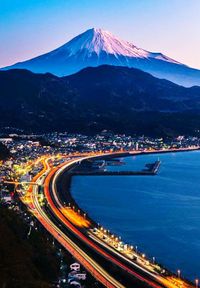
(160, 214)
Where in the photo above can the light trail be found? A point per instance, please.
(94, 268)
(90, 264)
(85, 239)
(75, 218)
(161, 279)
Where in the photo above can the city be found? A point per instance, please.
(26, 176)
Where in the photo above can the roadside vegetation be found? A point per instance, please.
(25, 261)
(4, 152)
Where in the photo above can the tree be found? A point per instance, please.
(4, 152)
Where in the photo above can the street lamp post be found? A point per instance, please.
(179, 273)
(197, 283)
(29, 232)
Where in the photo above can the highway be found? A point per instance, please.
(133, 271)
(90, 264)
(105, 263)
(125, 275)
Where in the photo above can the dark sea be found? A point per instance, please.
(160, 214)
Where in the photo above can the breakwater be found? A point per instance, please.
(152, 169)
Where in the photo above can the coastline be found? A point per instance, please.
(70, 199)
(68, 176)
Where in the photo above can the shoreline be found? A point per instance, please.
(121, 154)
(125, 154)
(68, 189)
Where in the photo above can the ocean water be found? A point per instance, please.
(160, 214)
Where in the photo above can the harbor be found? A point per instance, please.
(149, 169)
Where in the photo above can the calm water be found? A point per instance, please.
(160, 214)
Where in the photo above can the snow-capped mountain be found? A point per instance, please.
(99, 41)
(96, 47)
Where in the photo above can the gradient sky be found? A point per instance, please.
(32, 27)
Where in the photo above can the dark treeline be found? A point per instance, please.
(4, 152)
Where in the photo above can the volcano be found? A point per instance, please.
(97, 47)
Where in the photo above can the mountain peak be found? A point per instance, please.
(97, 40)
(96, 47)
(98, 30)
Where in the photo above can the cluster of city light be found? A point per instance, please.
(79, 219)
(125, 249)
(132, 252)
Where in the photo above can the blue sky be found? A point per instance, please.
(31, 27)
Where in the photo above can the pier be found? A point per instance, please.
(152, 169)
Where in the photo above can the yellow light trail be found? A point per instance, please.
(75, 218)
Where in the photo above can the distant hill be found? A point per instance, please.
(96, 47)
(125, 100)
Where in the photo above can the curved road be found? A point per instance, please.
(129, 272)
(106, 264)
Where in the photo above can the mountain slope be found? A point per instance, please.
(107, 97)
(95, 47)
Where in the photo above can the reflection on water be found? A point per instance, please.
(160, 214)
